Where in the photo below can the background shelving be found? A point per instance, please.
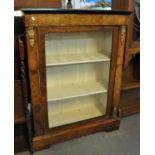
(130, 101)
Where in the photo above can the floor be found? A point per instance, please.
(125, 141)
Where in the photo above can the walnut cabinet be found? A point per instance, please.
(75, 67)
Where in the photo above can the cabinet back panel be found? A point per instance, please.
(77, 43)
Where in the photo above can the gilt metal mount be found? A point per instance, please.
(123, 33)
(31, 34)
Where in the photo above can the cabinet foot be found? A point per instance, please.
(111, 129)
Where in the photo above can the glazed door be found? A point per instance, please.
(77, 73)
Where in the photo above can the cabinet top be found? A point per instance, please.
(73, 11)
(63, 17)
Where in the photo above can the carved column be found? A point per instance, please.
(28, 109)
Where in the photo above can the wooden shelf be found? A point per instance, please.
(20, 138)
(65, 59)
(75, 90)
(77, 109)
(133, 50)
(19, 120)
(130, 76)
(131, 83)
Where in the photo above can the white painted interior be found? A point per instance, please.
(77, 72)
(77, 80)
(77, 109)
(70, 48)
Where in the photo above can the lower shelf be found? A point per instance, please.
(130, 83)
(77, 109)
(131, 75)
(19, 114)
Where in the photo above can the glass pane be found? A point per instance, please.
(77, 72)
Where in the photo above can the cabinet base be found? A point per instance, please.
(73, 131)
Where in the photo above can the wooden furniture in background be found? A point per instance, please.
(122, 4)
(74, 91)
(130, 96)
(131, 67)
(37, 4)
(20, 135)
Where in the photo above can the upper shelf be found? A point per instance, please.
(64, 59)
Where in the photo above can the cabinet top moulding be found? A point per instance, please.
(60, 17)
(73, 11)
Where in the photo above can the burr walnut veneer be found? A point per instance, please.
(75, 67)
